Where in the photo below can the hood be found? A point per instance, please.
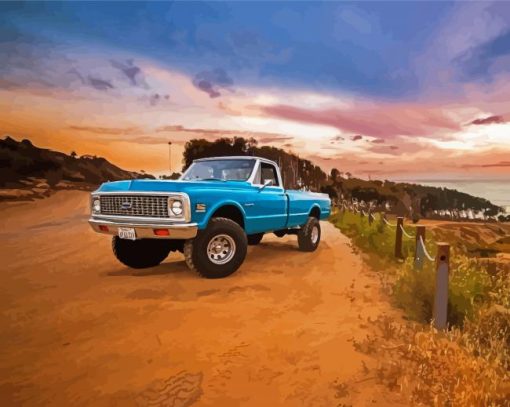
(150, 185)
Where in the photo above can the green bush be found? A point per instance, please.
(377, 238)
(470, 285)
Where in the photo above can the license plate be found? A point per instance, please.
(127, 233)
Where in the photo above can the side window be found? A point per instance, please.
(268, 172)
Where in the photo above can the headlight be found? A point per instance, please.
(176, 207)
(96, 205)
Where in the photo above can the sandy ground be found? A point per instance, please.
(78, 328)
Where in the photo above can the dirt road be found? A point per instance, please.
(78, 328)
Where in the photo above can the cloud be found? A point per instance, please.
(378, 141)
(131, 71)
(275, 138)
(99, 84)
(491, 165)
(108, 130)
(211, 82)
(156, 98)
(392, 150)
(262, 137)
(357, 137)
(383, 120)
(489, 120)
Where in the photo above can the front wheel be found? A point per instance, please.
(139, 254)
(309, 236)
(217, 251)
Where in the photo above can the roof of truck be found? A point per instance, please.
(236, 157)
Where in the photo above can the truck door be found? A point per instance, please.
(269, 208)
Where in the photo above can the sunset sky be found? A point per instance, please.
(404, 90)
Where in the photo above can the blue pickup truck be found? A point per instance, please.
(215, 210)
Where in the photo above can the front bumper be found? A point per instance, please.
(144, 229)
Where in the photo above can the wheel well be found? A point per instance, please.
(315, 212)
(230, 212)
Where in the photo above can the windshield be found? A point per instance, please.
(224, 170)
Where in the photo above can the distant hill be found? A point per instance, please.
(27, 171)
(300, 173)
(401, 196)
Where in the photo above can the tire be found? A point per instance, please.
(309, 236)
(255, 239)
(139, 254)
(200, 256)
(280, 233)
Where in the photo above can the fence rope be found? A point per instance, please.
(425, 252)
(405, 233)
(388, 223)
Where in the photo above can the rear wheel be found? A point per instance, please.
(139, 254)
(217, 251)
(309, 236)
(255, 239)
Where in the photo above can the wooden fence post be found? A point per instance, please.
(418, 251)
(383, 217)
(441, 291)
(370, 217)
(398, 238)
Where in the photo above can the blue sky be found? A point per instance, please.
(365, 47)
(321, 68)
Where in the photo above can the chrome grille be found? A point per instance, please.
(151, 206)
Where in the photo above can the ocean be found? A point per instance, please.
(496, 191)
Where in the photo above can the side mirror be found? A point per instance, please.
(267, 182)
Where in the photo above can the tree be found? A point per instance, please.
(348, 175)
(334, 174)
(73, 154)
(296, 172)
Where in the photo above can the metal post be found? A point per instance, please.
(418, 252)
(441, 291)
(170, 156)
(398, 238)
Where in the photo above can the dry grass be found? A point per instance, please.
(434, 368)
(469, 365)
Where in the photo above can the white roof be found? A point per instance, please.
(236, 157)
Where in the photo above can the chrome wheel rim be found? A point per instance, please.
(315, 235)
(221, 249)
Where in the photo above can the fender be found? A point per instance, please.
(203, 224)
(315, 205)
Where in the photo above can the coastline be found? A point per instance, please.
(496, 191)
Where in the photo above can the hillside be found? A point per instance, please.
(402, 196)
(27, 171)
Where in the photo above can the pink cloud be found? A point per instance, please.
(489, 120)
(383, 121)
